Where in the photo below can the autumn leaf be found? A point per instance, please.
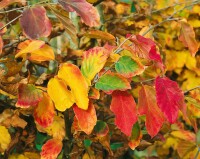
(35, 23)
(170, 97)
(86, 118)
(187, 36)
(51, 149)
(1, 45)
(35, 50)
(101, 128)
(56, 129)
(112, 81)
(5, 3)
(28, 95)
(93, 61)
(144, 48)
(147, 105)
(89, 14)
(5, 138)
(94, 93)
(44, 112)
(128, 67)
(63, 98)
(124, 107)
(97, 34)
(63, 16)
(136, 136)
(73, 77)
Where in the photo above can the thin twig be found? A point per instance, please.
(197, 87)
(10, 22)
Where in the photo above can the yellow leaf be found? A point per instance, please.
(4, 138)
(63, 98)
(36, 50)
(75, 80)
(56, 129)
(17, 156)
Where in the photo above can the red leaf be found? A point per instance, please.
(28, 95)
(44, 111)
(88, 13)
(51, 149)
(35, 23)
(144, 48)
(170, 97)
(86, 118)
(148, 106)
(124, 107)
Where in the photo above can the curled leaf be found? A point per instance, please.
(63, 98)
(75, 80)
(187, 36)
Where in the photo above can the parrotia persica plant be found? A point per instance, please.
(99, 79)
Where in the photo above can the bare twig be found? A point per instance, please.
(197, 87)
(10, 22)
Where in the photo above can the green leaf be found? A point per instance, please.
(101, 128)
(128, 67)
(87, 142)
(112, 81)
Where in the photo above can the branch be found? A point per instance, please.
(186, 92)
(10, 22)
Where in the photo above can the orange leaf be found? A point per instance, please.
(44, 112)
(74, 79)
(5, 3)
(63, 98)
(86, 118)
(187, 36)
(51, 149)
(35, 50)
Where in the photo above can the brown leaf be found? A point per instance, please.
(63, 16)
(187, 36)
(5, 3)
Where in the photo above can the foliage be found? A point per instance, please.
(99, 79)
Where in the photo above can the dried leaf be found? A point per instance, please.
(187, 36)
(4, 138)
